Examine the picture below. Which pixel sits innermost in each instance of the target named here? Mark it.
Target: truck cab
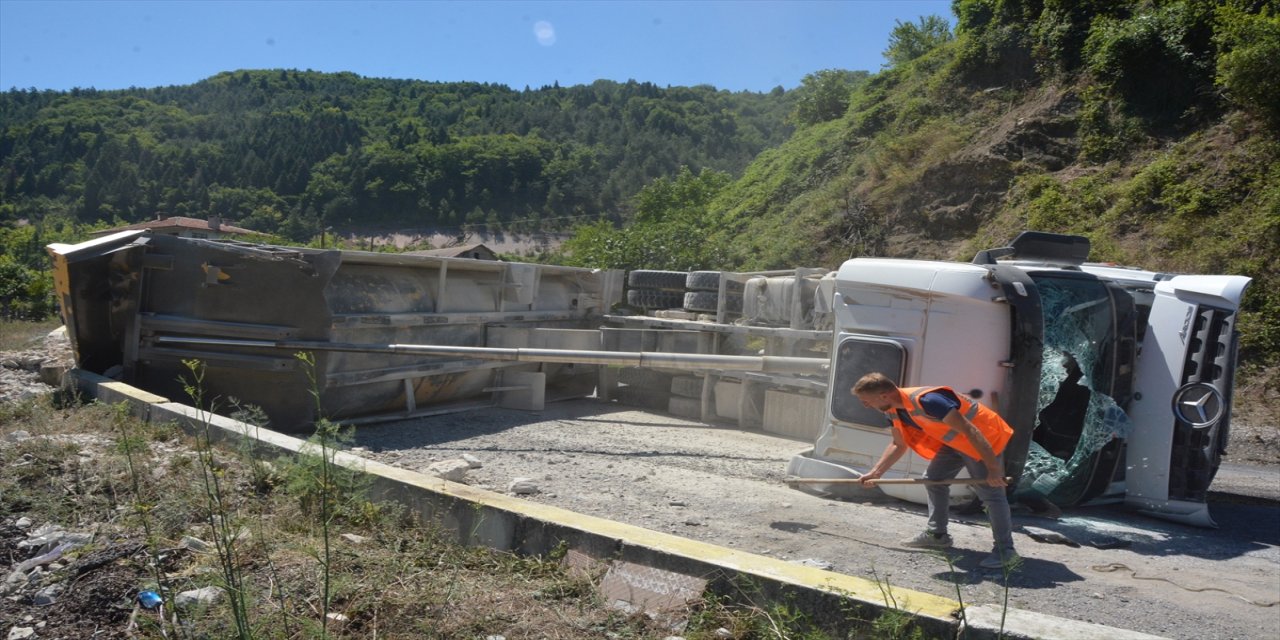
(1116, 381)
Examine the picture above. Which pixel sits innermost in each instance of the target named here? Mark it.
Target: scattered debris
(815, 563)
(1050, 537)
(21, 633)
(1109, 542)
(36, 372)
(101, 557)
(523, 486)
(203, 596)
(452, 470)
(48, 595)
(1039, 506)
(193, 543)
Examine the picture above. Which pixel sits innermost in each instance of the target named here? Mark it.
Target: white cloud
(544, 32)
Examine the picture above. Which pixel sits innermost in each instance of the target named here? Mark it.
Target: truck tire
(706, 301)
(710, 281)
(654, 299)
(660, 280)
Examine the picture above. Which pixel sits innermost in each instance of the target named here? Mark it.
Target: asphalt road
(726, 486)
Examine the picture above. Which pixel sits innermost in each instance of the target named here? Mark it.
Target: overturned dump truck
(144, 305)
(1117, 381)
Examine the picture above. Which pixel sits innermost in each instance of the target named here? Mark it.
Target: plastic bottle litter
(149, 599)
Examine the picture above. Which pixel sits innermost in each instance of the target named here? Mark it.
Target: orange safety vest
(926, 435)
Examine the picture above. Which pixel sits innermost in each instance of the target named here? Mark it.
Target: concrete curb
(480, 517)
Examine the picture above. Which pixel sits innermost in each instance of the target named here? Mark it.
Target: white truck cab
(1117, 381)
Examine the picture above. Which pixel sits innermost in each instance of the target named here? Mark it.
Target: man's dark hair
(874, 383)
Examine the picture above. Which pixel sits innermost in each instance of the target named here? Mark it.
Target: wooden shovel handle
(963, 481)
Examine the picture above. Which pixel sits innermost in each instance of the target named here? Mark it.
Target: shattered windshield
(1077, 415)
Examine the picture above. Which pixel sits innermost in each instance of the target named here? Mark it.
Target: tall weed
(221, 511)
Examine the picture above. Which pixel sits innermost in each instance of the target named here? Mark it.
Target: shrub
(1157, 62)
(1106, 130)
(997, 56)
(910, 40)
(1061, 30)
(824, 95)
(1249, 62)
(25, 294)
(994, 41)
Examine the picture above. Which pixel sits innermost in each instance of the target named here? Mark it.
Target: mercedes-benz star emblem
(1198, 404)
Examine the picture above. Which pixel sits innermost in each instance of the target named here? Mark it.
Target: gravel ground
(726, 486)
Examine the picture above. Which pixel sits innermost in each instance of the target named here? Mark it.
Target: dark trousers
(946, 466)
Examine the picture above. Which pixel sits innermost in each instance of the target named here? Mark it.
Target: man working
(952, 431)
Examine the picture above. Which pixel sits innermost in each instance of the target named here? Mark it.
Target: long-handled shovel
(961, 481)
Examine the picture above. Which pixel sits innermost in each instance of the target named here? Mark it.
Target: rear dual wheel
(655, 299)
(706, 301)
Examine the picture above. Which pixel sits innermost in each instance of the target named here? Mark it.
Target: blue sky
(735, 45)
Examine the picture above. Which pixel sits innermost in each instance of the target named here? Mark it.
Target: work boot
(1005, 559)
(928, 540)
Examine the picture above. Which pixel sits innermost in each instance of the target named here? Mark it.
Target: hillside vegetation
(292, 152)
(1148, 126)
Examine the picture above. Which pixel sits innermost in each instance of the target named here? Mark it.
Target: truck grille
(1197, 453)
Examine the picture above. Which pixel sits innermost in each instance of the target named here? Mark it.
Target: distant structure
(210, 229)
(475, 251)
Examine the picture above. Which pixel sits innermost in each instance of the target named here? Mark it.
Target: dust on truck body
(140, 306)
(1117, 381)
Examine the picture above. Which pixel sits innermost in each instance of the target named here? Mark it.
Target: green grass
(92, 467)
(402, 580)
(17, 335)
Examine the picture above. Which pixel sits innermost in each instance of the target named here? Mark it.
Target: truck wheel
(654, 299)
(661, 280)
(710, 281)
(706, 301)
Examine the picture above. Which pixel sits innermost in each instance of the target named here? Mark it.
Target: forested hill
(291, 152)
(1150, 126)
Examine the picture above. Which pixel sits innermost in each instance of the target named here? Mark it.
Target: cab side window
(855, 358)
